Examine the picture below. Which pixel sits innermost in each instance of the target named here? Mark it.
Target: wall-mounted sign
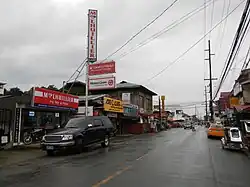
(49, 98)
(131, 110)
(126, 98)
(17, 126)
(82, 110)
(31, 113)
(112, 105)
(102, 83)
(92, 35)
(101, 68)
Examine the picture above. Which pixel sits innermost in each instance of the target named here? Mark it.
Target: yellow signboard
(234, 101)
(163, 97)
(112, 105)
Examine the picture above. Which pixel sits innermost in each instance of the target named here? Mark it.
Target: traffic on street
(171, 158)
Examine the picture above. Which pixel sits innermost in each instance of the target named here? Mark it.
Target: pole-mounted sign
(92, 36)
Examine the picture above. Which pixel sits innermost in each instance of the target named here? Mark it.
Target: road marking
(109, 178)
(141, 157)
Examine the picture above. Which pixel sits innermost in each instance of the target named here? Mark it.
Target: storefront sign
(82, 110)
(131, 110)
(102, 68)
(101, 83)
(48, 98)
(234, 101)
(17, 126)
(126, 97)
(112, 105)
(92, 35)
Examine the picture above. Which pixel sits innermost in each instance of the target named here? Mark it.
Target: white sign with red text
(92, 36)
(102, 83)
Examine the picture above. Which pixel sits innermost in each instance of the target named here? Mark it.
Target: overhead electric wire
(197, 42)
(212, 17)
(246, 62)
(145, 27)
(166, 29)
(77, 70)
(239, 36)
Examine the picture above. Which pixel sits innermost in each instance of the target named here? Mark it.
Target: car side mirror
(90, 125)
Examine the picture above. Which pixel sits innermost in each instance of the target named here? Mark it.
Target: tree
(14, 91)
(52, 87)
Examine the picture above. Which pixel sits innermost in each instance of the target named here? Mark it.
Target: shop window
(141, 101)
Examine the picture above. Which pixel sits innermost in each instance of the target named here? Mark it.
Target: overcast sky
(43, 42)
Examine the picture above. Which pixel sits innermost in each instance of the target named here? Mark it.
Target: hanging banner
(101, 68)
(92, 36)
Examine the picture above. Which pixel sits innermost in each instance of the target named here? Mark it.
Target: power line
(173, 62)
(166, 29)
(77, 70)
(239, 36)
(145, 27)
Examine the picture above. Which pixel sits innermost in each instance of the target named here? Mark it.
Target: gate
(5, 125)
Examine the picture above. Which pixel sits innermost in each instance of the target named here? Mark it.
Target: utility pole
(210, 81)
(206, 103)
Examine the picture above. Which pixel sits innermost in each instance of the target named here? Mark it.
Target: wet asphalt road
(175, 158)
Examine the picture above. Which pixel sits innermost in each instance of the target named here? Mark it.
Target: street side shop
(130, 119)
(42, 109)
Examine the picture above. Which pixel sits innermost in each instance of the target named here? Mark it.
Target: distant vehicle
(232, 139)
(79, 132)
(187, 126)
(215, 130)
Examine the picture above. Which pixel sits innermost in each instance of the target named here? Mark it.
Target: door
(5, 124)
(100, 130)
(89, 136)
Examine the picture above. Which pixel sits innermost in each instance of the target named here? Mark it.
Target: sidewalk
(31, 152)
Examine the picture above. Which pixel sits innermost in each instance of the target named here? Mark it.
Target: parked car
(79, 132)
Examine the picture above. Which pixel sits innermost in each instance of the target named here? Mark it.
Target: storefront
(42, 109)
(130, 119)
(113, 108)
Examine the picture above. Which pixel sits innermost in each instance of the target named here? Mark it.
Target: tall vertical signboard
(92, 36)
(92, 49)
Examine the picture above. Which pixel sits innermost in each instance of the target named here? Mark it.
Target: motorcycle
(33, 136)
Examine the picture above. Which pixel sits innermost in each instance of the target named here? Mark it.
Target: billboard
(101, 68)
(49, 98)
(101, 83)
(92, 35)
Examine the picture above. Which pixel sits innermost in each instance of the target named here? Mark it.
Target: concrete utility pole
(210, 81)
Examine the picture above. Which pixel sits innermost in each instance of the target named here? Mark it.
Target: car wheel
(79, 145)
(50, 153)
(106, 141)
(208, 137)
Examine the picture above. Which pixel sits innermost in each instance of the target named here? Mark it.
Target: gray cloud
(42, 42)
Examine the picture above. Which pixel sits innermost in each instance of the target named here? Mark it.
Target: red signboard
(102, 68)
(50, 98)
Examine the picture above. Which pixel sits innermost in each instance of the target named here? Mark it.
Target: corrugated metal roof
(92, 97)
(125, 84)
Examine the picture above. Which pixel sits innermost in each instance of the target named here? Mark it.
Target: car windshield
(77, 123)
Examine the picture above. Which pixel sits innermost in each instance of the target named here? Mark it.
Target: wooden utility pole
(206, 103)
(210, 81)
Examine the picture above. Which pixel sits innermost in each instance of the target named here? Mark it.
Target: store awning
(91, 97)
(242, 108)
